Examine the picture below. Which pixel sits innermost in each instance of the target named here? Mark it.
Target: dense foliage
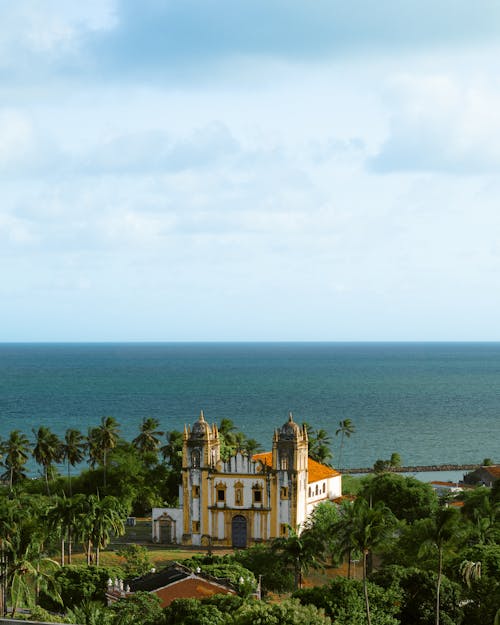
(424, 561)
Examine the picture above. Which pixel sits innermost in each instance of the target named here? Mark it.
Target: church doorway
(239, 532)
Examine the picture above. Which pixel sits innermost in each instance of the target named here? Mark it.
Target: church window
(310, 491)
(316, 489)
(196, 527)
(196, 492)
(257, 494)
(283, 529)
(284, 463)
(220, 492)
(284, 492)
(195, 459)
(324, 487)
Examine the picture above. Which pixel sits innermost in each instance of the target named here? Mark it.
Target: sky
(211, 170)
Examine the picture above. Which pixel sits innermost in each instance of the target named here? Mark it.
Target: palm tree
(15, 451)
(109, 520)
(441, 530)
(367, 528)
(172, 451)
(27, 570)
(297, 551)
(102, 440)
(251, 447)
(319, 444)
(148, 440)
(62, 518)
(73, 450)
(345, 429)
(47, 450)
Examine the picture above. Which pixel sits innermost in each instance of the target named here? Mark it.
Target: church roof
(315, 470)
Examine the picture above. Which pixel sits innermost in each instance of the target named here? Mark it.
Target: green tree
(442, 529)
(137, 560)
(260, 559)
(193, 612)
(15, 452)
(287, 612)
(91, 613)
(172, 450)
(408, 499)
(141, 607)
(367, 529)
(319, 444)
(345, 429)
(321, 529)
(297, 552)
(148, 440)
(102, 518)
(47, 451)
(72, 451)
(23, 534)
(483, 515)
(343, 601)
(251, 447)
(228, 438)
(417, 595)
(102, 440)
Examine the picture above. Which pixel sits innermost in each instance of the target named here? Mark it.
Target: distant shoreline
(418, 468)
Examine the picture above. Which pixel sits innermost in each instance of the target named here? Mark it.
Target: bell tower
(200, 454)
(290, 463)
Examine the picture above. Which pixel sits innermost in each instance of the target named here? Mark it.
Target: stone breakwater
(419, 468)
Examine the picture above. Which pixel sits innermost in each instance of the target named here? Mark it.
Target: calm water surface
(432, 403)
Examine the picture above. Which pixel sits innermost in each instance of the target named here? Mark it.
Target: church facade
(243, 500)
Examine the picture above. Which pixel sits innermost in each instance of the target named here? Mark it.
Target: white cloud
(441, 123)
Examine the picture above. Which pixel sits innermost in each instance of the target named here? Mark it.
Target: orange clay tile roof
(449, 484)
(316, 470)
(494, 471)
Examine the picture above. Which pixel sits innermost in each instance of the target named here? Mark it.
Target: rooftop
(316, 470)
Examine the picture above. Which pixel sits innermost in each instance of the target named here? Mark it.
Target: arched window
(195, 459)
(220, 492)
(257, 494)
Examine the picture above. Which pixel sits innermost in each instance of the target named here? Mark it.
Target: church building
(243, 501)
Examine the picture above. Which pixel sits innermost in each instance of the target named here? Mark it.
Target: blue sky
(216, 170)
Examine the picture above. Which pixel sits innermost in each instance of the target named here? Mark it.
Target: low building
(486, 475)
(243, 500)
(173, 582)
(446, 488)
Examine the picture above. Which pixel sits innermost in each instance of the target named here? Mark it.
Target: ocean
(432, 403)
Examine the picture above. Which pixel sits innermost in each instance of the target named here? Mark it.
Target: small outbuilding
(486, 475)
(173, 582)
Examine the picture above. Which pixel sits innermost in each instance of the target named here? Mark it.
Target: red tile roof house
(174, 582)
(486, 475)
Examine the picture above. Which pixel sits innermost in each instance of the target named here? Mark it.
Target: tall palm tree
(73, 450)
(23, 534)
(367, 528)
(148, 440)
(251, 447)
(62, 518)
(15, 452)
(297, 551)
(100, 519)
(345, 429)
(441, 530)
(172, 450)
(105, 437)
(47, 450)
(319, 444)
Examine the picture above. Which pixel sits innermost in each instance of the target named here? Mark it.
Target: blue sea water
(430, 402)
